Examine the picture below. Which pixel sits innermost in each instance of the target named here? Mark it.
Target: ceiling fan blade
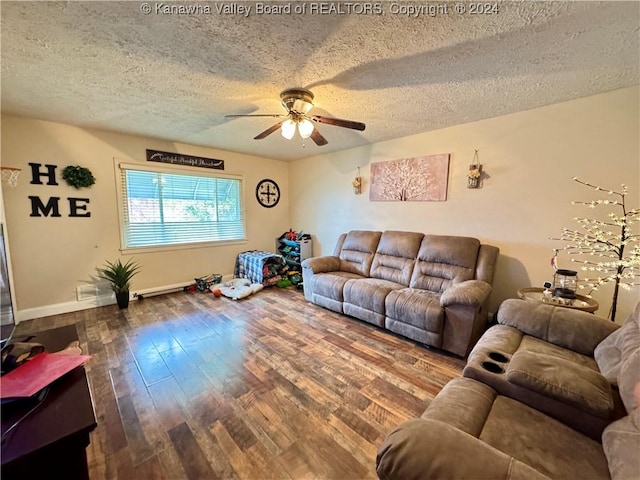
(317, 138)
(339, 122)
(272, 115)
(268, 131)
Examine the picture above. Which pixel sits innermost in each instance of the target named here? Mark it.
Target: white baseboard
(59, 308)
(68, 307)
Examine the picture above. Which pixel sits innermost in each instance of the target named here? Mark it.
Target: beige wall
(52, 256)
(531, 158)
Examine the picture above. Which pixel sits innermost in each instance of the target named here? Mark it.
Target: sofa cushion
(621, 444)
(443, 260)
(424, 449)
(629, 379)
(419, 308)
(562, 380)
(608, 353)
(396, 256)
(542, 442)
(611, 352)
(331, 284)
(510, 427)
(369, 293)
(357, 252)
(535, 345)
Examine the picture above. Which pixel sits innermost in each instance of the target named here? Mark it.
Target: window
(168, 206)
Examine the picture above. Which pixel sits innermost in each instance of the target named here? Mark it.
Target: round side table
(580, 303)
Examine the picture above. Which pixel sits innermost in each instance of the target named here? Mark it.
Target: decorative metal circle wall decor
(268, 193)
(77, 176)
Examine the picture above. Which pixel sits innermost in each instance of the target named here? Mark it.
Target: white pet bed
(239, 288)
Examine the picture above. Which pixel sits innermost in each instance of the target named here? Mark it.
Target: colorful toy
(203, 284)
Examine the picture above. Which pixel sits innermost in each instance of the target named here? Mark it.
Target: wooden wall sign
(188, 160)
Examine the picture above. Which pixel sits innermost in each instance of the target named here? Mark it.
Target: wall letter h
(36, 174)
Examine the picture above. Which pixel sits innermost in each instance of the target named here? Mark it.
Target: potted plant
(119, 275)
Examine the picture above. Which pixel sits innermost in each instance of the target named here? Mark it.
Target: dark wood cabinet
(51, 437)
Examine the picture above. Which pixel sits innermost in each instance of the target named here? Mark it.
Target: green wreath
(78, 176)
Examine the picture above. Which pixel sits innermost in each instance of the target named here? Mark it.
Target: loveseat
(550, 358)
(430, 288)
(473, 430)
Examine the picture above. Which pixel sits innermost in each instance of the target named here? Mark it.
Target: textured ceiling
(107, 65)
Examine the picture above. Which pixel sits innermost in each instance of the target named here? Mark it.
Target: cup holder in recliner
(498, 357)
(492, 367)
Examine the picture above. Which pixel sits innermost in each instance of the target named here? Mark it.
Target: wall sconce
(357, 183)
(475, 172)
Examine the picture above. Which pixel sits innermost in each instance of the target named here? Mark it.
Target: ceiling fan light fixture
(305, 128)
(298, 102)
(288, 129)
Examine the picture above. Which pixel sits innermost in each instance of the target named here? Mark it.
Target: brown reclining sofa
(430, 288)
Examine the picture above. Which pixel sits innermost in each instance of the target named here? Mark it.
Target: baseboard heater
(152, 292)
(178, 287)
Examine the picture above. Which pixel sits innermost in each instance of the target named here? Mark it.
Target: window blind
(165, 207)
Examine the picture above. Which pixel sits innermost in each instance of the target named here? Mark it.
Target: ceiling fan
(298, 102)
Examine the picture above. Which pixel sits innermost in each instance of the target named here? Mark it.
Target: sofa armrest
(573, 329)
(469, 292)
(422, 448)
(328, 263)
(486, 265)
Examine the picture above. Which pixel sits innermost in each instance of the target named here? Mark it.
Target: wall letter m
(37, 206)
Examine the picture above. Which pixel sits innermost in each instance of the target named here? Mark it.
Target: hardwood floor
(192, 386)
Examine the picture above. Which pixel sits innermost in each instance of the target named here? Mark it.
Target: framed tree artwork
(418, 179)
